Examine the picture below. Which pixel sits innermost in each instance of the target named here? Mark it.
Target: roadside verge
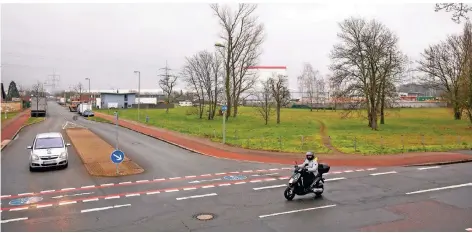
(14, 127)
(95, 154)
(205, 147)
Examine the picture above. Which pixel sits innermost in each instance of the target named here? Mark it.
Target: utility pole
(170, 84)
(54, 78)
(139, 91)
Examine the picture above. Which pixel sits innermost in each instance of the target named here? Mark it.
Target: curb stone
(23, 126)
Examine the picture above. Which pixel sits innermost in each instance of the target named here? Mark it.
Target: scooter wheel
(289, 195)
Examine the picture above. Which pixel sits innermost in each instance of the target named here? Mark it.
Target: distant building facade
(116, 100)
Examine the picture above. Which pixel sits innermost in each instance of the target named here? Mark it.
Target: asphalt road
(178, 185)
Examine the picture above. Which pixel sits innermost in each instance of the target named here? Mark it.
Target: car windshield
(46, 143)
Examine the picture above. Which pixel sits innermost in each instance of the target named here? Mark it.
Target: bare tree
(459, 10)
(279, 89)
(78, 88)
(265, 101)
(242, 39)
(167, 84)
(308, 81)
(202, 72)
(443, 65)
(363, 62)
(37, 90)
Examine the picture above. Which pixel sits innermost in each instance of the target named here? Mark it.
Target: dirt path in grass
(326, 139)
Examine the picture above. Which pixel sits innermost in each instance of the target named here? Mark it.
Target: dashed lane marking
(13, 220)
(107, 185)
(383, 173)
(469, 229)
(427, 168)
(196, 196)
(295, 211)
(440, 188)
(104, 208)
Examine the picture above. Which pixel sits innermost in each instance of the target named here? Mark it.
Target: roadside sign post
(117, 156)
(116, 128)
(223, 109)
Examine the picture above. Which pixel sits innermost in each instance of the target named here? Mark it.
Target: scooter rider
(311, 166)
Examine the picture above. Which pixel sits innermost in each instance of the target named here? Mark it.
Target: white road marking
(141, 181)
(337, 178)
(67, 202)
(196, 196)
(20, 208)
(441, 188)
(89, 200)
(109, 184)
(221, 173)
(65, 189)
(255, 181)
(14, 220)
(190, 176)
(5, 196)
(371, 169)
(468, 229)
(47, 191)
(112, 197)
(234, 172)
(155, 192)
(261, 170)
(273, 169)
(171, 190)
(174, 178)
(96, 209)
(208, 186)
(295, 211)
(58, 197)
(127, 182)
(22, 194)
(336, 172)
(119, 206)
(270, 179)
(89, 186)
(270, 187)
(206, 175)
(348, 171)
(383, 173)
(160, 179)
(242, 182)
(43, 206)
(360, 170)
(224, 185)
(427, 168)
(132, 195)
(247, 171)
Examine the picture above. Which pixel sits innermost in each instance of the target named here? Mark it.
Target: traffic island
(96, 153)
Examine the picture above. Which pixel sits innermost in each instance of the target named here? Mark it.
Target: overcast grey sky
(107, 42)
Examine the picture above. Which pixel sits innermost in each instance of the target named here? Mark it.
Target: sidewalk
(14, 125)
(209, 148)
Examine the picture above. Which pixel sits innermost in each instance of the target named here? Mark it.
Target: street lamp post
(90, 94)
(224, 107)
(139, 90)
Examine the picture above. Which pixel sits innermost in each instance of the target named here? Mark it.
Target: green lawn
(350, 135)
(33, 120)
(10, 115)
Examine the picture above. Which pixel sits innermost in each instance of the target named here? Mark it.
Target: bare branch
(459, 10)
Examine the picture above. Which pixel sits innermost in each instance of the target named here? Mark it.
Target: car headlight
(35, 157)
(63, 155)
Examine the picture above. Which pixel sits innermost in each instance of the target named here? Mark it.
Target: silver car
(48, 150)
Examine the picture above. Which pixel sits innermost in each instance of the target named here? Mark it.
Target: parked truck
(39, 106)
(62, 101)
(73, 106)
(84, 106)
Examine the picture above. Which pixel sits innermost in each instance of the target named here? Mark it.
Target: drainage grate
(204, 216)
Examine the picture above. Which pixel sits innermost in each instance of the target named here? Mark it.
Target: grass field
(10, 115)
(33, 120)
(406, 130)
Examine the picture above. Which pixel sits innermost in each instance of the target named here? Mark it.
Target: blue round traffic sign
(117, 156)
(238, 177)
(224, 108)
(25, 200)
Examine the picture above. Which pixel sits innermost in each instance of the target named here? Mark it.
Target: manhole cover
(204, 217)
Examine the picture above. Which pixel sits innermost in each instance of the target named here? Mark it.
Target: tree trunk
(278, 113)
(382, 114)
(457, 112)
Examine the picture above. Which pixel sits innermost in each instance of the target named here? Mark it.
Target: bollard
(303, 142)
(280, 143)
(147, 119)
(355, 143)
(422, 142)
(403, 144)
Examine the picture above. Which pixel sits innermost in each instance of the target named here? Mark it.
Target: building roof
(114, 93)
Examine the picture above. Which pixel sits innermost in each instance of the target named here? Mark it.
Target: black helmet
(310, 155)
